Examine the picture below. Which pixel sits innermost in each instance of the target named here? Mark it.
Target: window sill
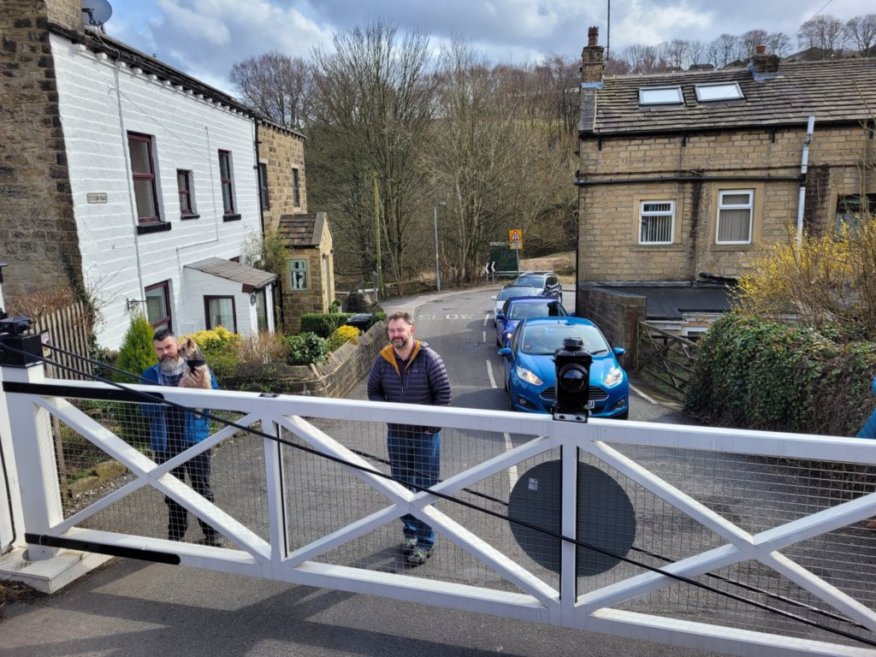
(184, 217)
(742, 246)
(657, 247)
(154, 227)
(231, 217)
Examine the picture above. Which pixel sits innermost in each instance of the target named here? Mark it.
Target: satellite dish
(96, 12)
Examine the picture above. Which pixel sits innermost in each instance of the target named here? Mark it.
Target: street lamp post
(437, 261)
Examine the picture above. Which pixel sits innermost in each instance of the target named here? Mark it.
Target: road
(136, 608)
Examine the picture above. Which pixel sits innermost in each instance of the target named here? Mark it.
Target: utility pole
(379, 268)
(437, 261)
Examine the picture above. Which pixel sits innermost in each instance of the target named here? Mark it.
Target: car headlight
(615, 375)
(508, 335)
(528, 376)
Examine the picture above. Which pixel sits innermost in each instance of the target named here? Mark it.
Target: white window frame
(299, 266)
(706, 93)
(735, 206)
(643, 213)
(666, 95)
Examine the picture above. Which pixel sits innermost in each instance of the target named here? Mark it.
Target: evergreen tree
(136, 353)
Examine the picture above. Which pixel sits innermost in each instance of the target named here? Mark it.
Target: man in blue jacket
(174, 430)
(409, 371)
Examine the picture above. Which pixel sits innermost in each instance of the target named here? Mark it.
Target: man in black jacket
(409, 371)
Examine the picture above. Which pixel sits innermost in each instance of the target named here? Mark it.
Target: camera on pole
(573, 381)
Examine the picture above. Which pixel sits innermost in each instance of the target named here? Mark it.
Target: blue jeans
(414, 461)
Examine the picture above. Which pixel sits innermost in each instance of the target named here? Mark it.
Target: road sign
(515, 238)
(490, 267)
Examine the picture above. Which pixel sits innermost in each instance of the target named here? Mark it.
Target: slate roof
(250, 278)
(668, 302)
(302, 230)
(842, 90)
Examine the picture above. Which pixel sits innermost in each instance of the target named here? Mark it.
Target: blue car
(530, 375)
(519, 308)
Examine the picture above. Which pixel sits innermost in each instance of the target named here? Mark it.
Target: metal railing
(744, 542)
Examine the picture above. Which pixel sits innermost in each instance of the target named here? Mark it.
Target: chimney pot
(592, 36)
(760, 50)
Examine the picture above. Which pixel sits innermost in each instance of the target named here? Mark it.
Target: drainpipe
(804, 165)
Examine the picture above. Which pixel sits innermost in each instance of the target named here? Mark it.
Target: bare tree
(492, 166)
(823, 32)
(778, 43)
(676, 52)
(276, 85)
(373, 103)
(724, 50)
(860, 33)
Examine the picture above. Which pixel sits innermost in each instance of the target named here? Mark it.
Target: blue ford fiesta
(530, 375)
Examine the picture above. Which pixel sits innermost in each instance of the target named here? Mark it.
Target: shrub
(759, 374)
(263, 348)
(137, 352)
(341, 336)
(306, 348)
(221, 349)
(323, 324)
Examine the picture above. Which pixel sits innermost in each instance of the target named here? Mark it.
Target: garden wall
(335, 377)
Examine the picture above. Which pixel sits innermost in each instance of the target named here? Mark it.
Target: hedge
(757, 374)
(323, 324)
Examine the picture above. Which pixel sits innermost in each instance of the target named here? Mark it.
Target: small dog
(188, 351)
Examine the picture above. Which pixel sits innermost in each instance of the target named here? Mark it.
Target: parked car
(530, 374)
(510, 291)
(546, 281)
(518, 308)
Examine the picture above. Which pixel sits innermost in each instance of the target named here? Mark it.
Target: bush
(759, 374)
(137, 352)
(341, 336)
(221, 349)
(323, 324)
(263, 348)
(306, 348)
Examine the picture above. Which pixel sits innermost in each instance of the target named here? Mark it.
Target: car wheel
(498, 342)
(505, 380)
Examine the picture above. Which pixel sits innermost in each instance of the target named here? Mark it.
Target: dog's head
(188, 349)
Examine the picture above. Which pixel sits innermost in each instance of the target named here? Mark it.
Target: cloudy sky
(205, 37)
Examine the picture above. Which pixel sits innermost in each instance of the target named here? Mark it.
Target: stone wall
(618, 315)
(758, 160)
(281, 151)
(335, 377)
(37, 227)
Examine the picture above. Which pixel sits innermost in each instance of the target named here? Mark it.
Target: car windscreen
(506, 292)
(529, 281)
(541, 309)
(542, 340)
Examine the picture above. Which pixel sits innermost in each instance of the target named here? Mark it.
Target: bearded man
(173, 430)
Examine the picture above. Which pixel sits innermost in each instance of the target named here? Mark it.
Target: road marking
(484, 337)
(512, 471)
(487, 318)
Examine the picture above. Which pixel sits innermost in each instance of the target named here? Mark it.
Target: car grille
(596, 394)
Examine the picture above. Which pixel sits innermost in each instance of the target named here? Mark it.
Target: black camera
(573, 381)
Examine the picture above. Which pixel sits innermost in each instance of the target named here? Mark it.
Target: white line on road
(486, 318)
(484, 337)
(512, 471)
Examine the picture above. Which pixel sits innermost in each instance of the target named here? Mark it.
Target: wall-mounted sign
(96, 197)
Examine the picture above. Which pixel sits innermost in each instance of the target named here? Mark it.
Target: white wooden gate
(749, 543)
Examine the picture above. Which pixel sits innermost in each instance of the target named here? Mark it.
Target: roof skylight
(660, 95)
(707, 93)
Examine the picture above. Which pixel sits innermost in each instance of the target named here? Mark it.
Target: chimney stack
(592, 62)
(762, 63)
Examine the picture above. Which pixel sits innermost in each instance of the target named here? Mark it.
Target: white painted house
(165, 192)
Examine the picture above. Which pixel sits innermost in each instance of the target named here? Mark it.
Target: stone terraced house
(685, 177)
(132, 182)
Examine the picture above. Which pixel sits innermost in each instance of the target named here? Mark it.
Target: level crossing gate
(741, 542)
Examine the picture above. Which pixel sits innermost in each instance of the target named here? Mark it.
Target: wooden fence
(665, 360)
(68, 329)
